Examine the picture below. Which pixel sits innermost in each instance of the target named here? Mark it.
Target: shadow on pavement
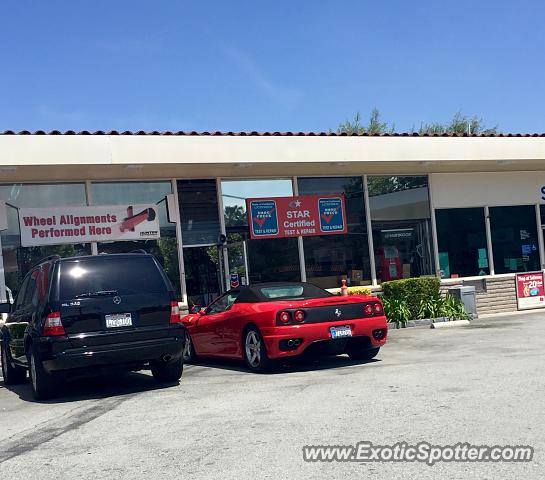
(294, 365)
(93, 388)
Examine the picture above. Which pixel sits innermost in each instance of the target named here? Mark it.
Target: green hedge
(412, 290)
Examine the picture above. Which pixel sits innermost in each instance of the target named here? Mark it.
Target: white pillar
(370, 244)
(435, 243)
(540, 237)
(89, 199)
(179, 243)
(489, 240)
(223, 230)
(300, 245)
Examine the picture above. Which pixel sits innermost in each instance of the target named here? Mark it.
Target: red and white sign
(54, 226)
(530, 290)
(306, 215)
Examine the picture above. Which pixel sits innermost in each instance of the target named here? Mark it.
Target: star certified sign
(301, 216)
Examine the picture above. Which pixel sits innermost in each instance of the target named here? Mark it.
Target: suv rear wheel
(43, 385)
(12, 374)
(167, 372)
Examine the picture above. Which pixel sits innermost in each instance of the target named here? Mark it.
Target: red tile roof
(269, 134)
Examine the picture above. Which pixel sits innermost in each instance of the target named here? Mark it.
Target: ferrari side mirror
(195, 309)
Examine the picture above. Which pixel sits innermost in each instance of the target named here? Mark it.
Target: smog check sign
(305, 215)
(264, 218)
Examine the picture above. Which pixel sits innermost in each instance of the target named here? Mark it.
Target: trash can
(466, 295)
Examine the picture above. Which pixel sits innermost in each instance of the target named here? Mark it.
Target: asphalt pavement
(483, 384)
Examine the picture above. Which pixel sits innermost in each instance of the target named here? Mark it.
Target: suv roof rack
(45, 259)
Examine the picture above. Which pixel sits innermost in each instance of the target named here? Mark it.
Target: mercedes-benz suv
(91, 314)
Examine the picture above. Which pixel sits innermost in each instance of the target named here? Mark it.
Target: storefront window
(202, 275)
(165, 249)
(18, 260)
(400, 217)
(199, 212)
(330, 258)
(461, 237)
(514, 239)
(269, 259)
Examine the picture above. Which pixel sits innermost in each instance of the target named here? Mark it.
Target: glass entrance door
(235, 261)
(202, 275)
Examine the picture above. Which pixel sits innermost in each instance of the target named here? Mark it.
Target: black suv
(92, 314)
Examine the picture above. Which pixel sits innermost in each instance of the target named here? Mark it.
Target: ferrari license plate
(340, 332)
(118, 320)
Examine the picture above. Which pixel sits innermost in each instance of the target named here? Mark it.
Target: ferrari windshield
(292, 291)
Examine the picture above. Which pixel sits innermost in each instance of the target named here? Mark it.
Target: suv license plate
(118, 320)
(339, 332)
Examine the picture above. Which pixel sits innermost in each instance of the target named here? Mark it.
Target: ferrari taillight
(175, 312)
(368, 309)
(377, 307)
(299, 315)
(53, 325)
(284, 317)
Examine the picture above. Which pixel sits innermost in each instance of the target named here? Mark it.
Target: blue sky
(254, 65)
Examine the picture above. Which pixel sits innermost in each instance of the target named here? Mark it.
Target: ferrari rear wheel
(255, 352)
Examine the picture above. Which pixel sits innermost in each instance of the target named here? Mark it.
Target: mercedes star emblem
(117, 299)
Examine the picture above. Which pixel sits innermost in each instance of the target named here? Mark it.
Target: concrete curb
(453, 323)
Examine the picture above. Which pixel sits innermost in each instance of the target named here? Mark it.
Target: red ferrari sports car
(269, 321)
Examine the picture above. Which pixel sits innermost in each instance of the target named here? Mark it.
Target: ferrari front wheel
(188, 351)
(255, 352)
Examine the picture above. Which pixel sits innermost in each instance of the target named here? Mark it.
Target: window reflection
(461, 239)
(400, 218)
(165, 249)
(268, 259)
(514, 239)
(18, 260)
(330, 258)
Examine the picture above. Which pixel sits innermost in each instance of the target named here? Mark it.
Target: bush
(357, 291)
(413, 291)
(396, 310)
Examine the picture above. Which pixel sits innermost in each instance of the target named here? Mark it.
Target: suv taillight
(53, 325)
(175, 312)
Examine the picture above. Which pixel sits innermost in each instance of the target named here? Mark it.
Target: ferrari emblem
(338, 313)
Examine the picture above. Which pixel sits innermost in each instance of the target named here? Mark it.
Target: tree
(374, 127)
(459, 124)
(235, 216)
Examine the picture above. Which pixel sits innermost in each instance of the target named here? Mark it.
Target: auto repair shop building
(468, 209)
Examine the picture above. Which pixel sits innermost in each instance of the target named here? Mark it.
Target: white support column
(435, 243)
(540, 237)
(3, 226)
(300, 245)
(370, 244)
(223, 230)
(89, 199)
(489, 240)
(179, 243)
(3, 298)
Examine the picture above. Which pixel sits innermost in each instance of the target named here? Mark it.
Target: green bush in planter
(413, 291)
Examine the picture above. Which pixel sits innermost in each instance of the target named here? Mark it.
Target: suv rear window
(126, 275)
